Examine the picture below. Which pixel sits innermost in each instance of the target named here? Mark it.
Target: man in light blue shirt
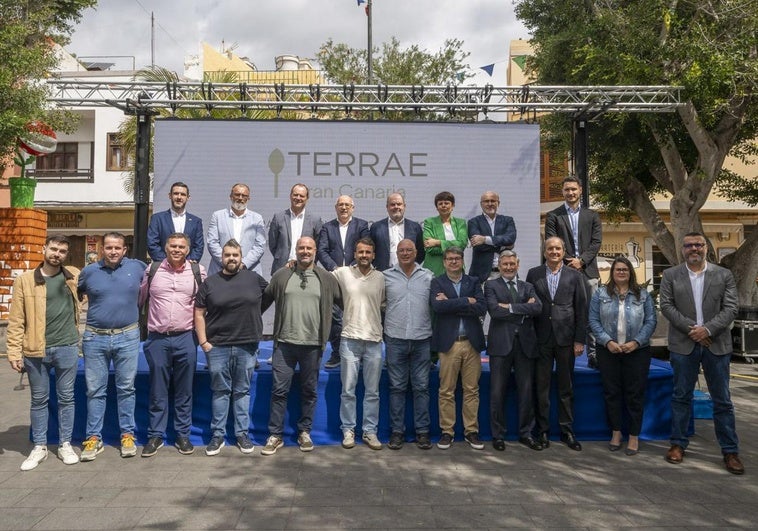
(407, 333)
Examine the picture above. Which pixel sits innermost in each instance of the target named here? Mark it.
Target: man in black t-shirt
(229, 327)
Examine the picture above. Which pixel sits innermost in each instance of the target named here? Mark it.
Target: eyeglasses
(693, 245)
(303, 279)
(453, 259)
(620, 270)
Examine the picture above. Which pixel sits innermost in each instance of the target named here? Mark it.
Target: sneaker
(37, 455)
(305, 441)
(372, 441)
(152, 446)
(332, 363)
(445, 441)
(348, 439)
(244, 444)
(67, 454)
(474, 441)
(91, 447)
(273, 443)
(215, 446)
(423, 441)
(128, 448)
(396, 441)
(184, 445)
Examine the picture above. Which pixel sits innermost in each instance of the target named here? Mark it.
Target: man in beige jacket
(42, 335)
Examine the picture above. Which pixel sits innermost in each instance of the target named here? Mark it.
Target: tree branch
(639, 201)
(672, 159)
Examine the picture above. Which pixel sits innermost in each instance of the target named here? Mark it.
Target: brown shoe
(675, 455)
(733, 464)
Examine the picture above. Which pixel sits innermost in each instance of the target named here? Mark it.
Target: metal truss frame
(417, 99)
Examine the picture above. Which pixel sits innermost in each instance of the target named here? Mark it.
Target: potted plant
(39, 139)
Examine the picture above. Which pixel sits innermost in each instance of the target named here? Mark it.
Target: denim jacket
(639, 313)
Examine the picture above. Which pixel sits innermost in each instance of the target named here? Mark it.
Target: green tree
(709, 48)
(27, 30)
(394, 65)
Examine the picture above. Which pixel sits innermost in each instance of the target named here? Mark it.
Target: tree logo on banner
(276, 165)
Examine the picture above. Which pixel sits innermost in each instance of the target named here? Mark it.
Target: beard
(232, 267)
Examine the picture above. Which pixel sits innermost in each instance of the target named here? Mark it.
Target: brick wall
(22, 236)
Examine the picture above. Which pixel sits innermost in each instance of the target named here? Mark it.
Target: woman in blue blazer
(443, 231)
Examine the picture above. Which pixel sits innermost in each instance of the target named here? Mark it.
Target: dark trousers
(172, 361)
(564, 372)
(286, 357)
(335, 332)
(624, 378)
(500, 374)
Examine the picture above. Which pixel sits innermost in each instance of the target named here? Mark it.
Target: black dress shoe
(530, 443)
(543, 440)
(498, 444)
(569, 440)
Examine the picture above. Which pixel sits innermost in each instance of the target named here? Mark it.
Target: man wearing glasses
(241, 224)
(700, 301)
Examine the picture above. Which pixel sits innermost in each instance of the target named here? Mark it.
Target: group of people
(357, 286)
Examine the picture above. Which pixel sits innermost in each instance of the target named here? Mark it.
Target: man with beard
(239, 223)
(699, 300)
(43, 335)
(171, 345)
(229, 327)
(304, 296)
(561, 330)
(362, 289)
(175, 219)
(111, 336)
(388, 232)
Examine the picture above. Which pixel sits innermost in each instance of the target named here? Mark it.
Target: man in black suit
(582, 233)
(512, 344)
(336, 248)
(290, 225)
(561, 330)
(490, 233)
(175, 219)
(388, 232)
(458, 304)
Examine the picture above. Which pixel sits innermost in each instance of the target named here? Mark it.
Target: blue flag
(488, 68)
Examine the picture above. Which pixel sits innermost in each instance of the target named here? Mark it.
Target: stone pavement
(332, 488)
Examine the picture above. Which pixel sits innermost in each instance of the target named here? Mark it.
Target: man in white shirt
(290, 225)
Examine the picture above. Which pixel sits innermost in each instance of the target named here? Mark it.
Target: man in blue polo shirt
(111, 335)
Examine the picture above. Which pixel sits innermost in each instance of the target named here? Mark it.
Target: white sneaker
(372, 441)
(348, 439)
(38, 454)
(67, 454)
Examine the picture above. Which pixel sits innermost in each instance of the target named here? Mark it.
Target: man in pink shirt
(171, 345)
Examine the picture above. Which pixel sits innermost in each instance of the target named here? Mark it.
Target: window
(70, 162)
(64, 159)
(117, 159)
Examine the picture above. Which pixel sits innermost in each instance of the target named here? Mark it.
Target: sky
(264, 29)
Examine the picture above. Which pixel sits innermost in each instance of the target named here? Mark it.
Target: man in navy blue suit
(490, 233)
(336, 248)
(175, 219)
(388, 232)
(458, 304)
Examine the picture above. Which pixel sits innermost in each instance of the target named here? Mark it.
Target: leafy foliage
(27, 31)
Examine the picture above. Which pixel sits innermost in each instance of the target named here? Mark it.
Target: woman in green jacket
(443, 231)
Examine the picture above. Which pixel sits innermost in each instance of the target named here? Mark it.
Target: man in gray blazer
(700, 301)
(237, 222)
(290, 225)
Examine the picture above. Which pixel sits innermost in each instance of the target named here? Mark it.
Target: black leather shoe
(498, 444)
(530, 443)
(569, 440)
(543, 440)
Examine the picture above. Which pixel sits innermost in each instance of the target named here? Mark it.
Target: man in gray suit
(290, 225)
(700, 301)
(239, 223)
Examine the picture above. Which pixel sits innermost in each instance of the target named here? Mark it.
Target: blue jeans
(231, 369)
(716, 370)
(172, 360)
(408, 359)
(353, 354)
(99, 351)
(65, 361)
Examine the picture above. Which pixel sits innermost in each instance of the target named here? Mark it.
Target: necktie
(514, 291)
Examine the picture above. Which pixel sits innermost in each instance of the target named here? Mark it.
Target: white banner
(366, 160)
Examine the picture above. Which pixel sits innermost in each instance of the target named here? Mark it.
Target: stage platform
(589, 422)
